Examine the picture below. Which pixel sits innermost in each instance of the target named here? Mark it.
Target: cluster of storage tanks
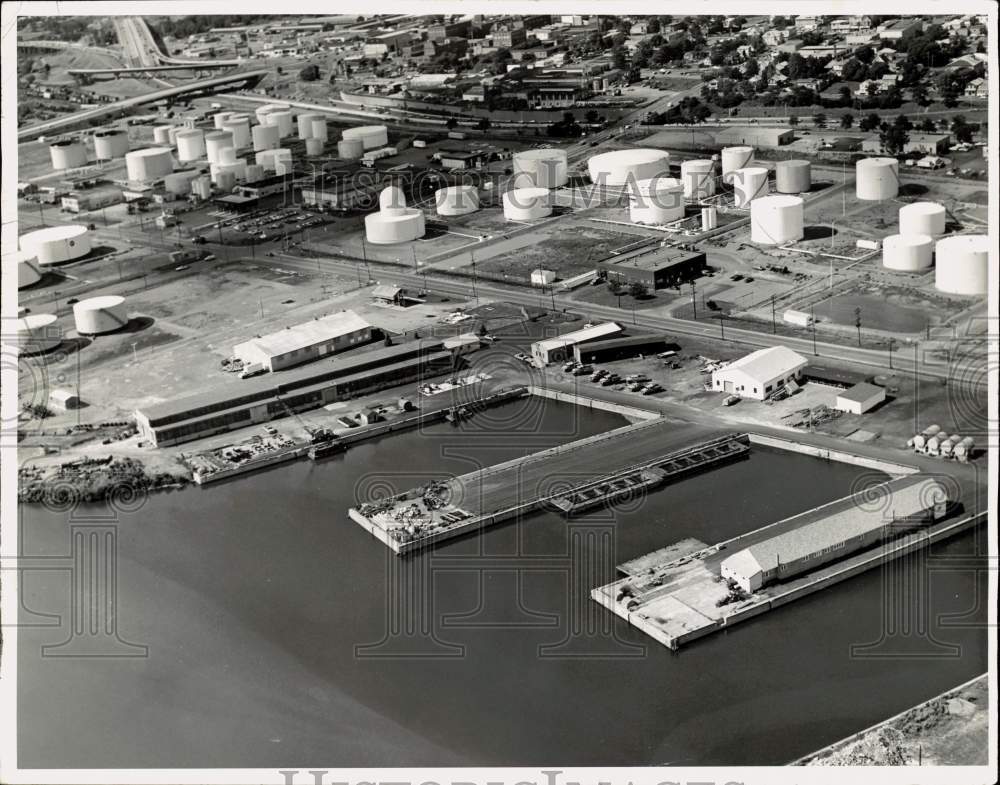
(933, 441)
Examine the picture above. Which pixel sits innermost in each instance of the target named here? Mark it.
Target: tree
(619, 58)
(928, 126)
(846, 120)
(819, 119)
(961, 129)
(865, 55)
(871, 122)
(451, 123)
(793, 120)
(854, 70)
(483, 124)
(310, 73)
(893, 138)
(638, 289)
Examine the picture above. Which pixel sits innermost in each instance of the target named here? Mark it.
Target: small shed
(64, 400)
(462, 344)
(542, 277)
(860, 398)
(388, 295)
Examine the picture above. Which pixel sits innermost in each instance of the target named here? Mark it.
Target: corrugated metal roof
(765, 364)
(304, 335)
(579, 336)
(861, 392)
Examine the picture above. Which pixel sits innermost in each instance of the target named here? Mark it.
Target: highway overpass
(194, 65)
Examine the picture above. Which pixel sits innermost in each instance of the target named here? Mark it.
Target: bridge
(142, 52)
(194, 65)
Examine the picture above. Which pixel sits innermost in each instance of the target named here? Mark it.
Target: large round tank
(255, 172)
(391, 198)
(908, 252)
(110, 144)
(350, 149)
(281, 118)
(776, 220)
(877, 179)
(28, 273)
(98, 315)
(263, 111)
(283, 161)
(227, 155)
(709, 218)
(201, 186)
(215, 142)
(318, 128)
(627, 166)
(220, 118)
(371, 136)
(37, 332)
(237, 168)
(545, 168)
(148, 164)
(922, 218)
(962, 264)
(172, 134)
(239, 126)
(527, 204)
(698, 178)
(67, 154)
(457, 200)
(792, 177)
(161, 134)
(304, 123)
(748, 184)
(656, 201)
(314, 146)
(178, 184)
(394, 222)
(733, 158)
(190, 145)
(224, 179)
(57, 244)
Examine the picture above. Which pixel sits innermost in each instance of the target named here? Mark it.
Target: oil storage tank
(190, 145)
(109, 145)
(281, 118)
(698, 178)
(57, 244)
(922, 218)
(394, 222)
(98, 315)
(656, 201)
(748, 184)
(457, 200)
(262, 112)
(161, 134)
(179, 183)
(733, 158)
(150, 163)
(67, 154)
(350, 149)
(314, 146)
(621, 167)
(28, 273)
(215, 142)
(304, 123)
(962, 264)
(792, 177)
(220, 118)
(318, 128)
(908, 252)
(38, 332)
(877, 179)
(239, 126)
(371, 136)
(545, 168)
(527, 204)
(265, 137)
(776, 219)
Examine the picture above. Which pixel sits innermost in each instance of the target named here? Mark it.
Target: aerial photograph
(462, 388)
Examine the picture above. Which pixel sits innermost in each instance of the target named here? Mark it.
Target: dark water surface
(273, 637)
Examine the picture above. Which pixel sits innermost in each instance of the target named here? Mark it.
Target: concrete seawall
(633, 412)
(841, 456)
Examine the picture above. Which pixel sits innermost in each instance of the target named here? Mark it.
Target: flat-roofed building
(760, 373)
(860, 398)
(660, 269)
(560, 348)
(305, 342)
(619, 348)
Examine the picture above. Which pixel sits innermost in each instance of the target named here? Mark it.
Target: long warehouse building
(305, 342)
(264, 398)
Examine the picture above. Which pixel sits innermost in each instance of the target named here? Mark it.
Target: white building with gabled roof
(760, 373)
(305, 342)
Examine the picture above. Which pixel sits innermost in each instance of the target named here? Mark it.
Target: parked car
(582, 370)
(731, 400)
(651, 389)
(611, 378)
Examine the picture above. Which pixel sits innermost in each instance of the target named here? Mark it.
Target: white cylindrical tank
(265, 158)
(304, 123)
(314, 146)
(394, 222)
(350, 149)
(776, 220)
(263, 111)
(37, 332)
(172, 134)
(877, 179)
(190, 145)
(28, 273)
(239, 126)
(733, 158)
(282, 161)
(698, 178)
(656, 201)
(709, 218)
(220, 118)
(98, 315)
(281, 118)
(161, 134)
(457, 200)
(962, 264)
(179, 183)
(527, 204)
(110, 144)
(57, 244)
(371, 136)
(908, 252)
(227, 155)
(215, 142)
(236, 168)
(748, 184)
(318, 128)
(201, 186)
(545, 168)
(148, 164)
(620, 167)
(255, 172)
(792, 177)
(922, 218)
(67, 154)
(224, 179)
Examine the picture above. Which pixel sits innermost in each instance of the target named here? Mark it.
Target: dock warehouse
(759, 373)
(657, 270)
(553, 350)
(619, 348)
(305, 342)
(251, 401)
(860, 398)
(836, 530)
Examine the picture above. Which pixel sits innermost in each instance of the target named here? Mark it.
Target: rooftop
(768, 363)
(860, 392)
(579, 336)
(304, 335)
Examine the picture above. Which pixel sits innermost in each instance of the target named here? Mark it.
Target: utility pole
(892, 344)
(857, 323)
(774, 320)
(722, 324)
(260, 304)
(813, 323)
(694, 301)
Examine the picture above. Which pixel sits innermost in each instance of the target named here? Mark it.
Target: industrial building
(860, 398)
(558, 349)
(760, 373)
(394, 222)
(620, 348)
(258, 400)
(305, 342)
(659, 269)
(621, 167)
(757, 136)
(836, 530)
(248, 196)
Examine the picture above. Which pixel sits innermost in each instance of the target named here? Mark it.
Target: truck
(456, 135)
(252, 369)
(181, 257)
(800, 318)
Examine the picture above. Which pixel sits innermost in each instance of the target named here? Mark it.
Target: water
(252, 597)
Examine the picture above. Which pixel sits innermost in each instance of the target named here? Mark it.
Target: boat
(323, 449)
